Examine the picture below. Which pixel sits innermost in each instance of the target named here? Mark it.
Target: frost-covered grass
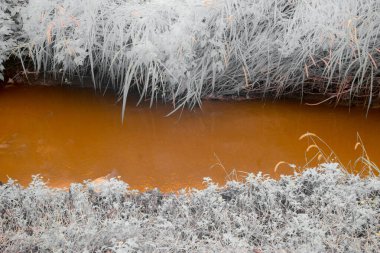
(183, 50)
(323, 209)
(10, 29)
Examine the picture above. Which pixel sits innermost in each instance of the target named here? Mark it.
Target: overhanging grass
(181, 51)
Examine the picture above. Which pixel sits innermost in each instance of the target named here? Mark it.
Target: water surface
(72, 134)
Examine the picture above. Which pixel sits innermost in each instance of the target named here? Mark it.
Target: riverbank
(323, 209)
(181, 52)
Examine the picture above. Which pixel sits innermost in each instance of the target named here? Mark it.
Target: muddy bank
(314, 93)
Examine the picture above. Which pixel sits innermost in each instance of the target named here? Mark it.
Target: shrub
(319, 210)
(10, 30)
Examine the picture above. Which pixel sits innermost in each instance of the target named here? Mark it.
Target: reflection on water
(69, 135)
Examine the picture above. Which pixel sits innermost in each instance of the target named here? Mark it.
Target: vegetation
(10, 30)
(182, 51)
(323, 209)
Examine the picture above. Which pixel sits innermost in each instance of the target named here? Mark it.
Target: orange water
(72, 134)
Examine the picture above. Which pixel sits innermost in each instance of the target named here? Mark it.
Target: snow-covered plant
(323, 209)
(183, 50)
(10, 28)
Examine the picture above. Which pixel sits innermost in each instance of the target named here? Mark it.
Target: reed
(182, 51)
(319, 152)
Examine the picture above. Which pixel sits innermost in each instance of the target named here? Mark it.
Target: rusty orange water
(72, 134)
